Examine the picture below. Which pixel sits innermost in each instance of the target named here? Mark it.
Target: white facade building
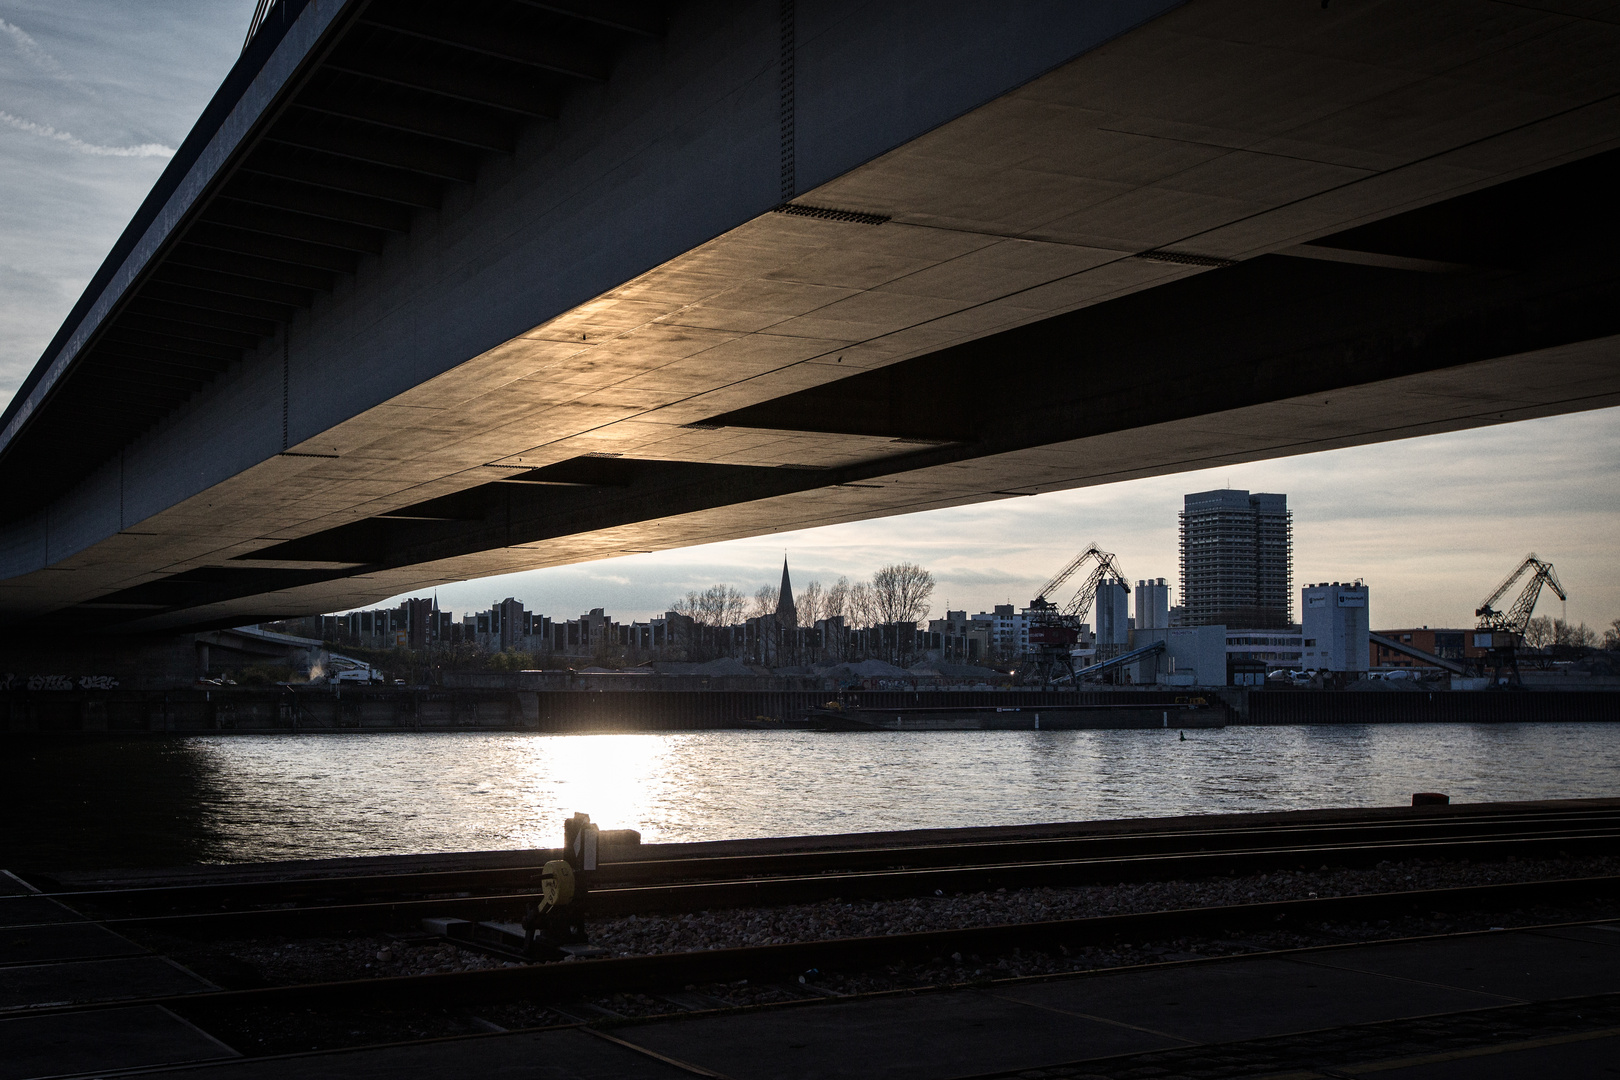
(1113, 615)
(1251, 655)
(1334, 626)
(1152, 604)
(1193, 656)
(1276, 648)
(1009, 630)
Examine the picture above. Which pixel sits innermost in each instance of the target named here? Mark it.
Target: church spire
(787, 613)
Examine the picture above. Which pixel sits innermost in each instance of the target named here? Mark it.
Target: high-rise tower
(1237, 559)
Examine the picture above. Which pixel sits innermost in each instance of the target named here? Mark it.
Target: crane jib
(1516, 618)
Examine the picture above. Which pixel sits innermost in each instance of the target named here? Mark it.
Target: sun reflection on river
(244, 798)
(617, 779)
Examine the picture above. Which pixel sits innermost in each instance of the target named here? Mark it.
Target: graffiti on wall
(9, 681)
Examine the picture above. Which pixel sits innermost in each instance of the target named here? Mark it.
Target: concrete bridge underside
(752, 267)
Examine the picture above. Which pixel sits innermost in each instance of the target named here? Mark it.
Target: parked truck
(346, 669)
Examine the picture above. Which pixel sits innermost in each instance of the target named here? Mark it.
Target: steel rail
(864, 885)
(587, 978)
(327, 890)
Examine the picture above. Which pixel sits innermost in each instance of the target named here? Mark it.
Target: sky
(94, 97)
(1431, 524)
(96, 94)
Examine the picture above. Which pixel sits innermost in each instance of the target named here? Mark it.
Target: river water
(244, 798)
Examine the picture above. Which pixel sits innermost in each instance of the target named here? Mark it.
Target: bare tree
(836, 602)
(1611, 636)
(711, 605)
(1538, 632)
(718, 605)
(764, 601)
(861, 605)
(901, 592)
(1573, 637)
(810, 602)
(731, 611)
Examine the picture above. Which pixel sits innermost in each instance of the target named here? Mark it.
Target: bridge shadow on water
(77, 803)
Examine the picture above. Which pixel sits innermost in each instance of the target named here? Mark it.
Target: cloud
(45, 131)
(985, 576)
(35, 53)
(95, 95)
(31, 304)
(21, 287)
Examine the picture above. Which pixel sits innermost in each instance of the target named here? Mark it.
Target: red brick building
(1447, 643)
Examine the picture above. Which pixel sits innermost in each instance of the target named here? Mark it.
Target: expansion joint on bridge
(790, 169)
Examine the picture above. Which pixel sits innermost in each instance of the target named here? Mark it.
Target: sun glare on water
(616, 779)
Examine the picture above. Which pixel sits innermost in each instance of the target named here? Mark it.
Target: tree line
(899, 592)
(1545, 632)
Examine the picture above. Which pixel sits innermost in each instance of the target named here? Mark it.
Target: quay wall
(1426, 706)
(362, 709)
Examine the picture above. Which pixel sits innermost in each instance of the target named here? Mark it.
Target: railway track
(370, 1011)
(563, 983)
(381, 902)
(256, 892)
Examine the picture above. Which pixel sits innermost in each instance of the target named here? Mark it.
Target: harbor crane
(1507, 627)
(1054, 630)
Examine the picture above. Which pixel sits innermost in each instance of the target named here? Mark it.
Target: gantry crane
(1053, 630)
(1507, 627)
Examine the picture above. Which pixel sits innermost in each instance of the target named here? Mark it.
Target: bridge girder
(512, 287)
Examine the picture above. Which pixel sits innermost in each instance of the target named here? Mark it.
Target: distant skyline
(1431, 524)
(94, 96)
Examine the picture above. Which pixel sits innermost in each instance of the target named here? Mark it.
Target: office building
(1237, 562)
(1252, 654)
(1008, 630)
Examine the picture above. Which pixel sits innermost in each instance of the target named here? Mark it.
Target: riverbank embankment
(355, 708)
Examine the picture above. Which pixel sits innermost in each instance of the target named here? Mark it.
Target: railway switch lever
(557, 915)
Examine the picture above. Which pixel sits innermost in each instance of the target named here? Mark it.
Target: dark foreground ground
(1536, 1003)
(1445, 990)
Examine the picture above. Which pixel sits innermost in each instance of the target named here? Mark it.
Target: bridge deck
(1024, 254)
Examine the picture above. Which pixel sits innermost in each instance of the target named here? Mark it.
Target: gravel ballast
(286, 961)
(245, 963)
(635, 935)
